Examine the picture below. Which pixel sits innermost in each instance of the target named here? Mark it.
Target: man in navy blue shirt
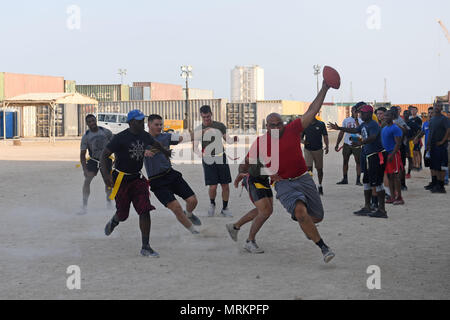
(424, 132)
(375, 158)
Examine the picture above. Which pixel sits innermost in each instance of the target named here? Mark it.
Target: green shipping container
(70, 86)
(105, 92)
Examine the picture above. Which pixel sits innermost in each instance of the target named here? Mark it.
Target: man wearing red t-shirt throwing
(280, 150)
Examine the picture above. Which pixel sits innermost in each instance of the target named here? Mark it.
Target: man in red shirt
(280, 151)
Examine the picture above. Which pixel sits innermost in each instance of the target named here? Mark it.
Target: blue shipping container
(11, 124)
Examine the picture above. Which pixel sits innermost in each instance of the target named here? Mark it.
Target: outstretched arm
(315, 106)
(106, 174)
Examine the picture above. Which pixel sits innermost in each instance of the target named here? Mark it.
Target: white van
(116, 122)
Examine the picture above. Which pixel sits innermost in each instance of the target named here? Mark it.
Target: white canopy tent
(46, 99)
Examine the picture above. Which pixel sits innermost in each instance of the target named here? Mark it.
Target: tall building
(247, 84)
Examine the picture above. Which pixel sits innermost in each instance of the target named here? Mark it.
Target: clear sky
(366, 41)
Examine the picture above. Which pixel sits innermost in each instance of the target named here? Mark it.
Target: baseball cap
(358, 105)
(366, 108)
(135, 114)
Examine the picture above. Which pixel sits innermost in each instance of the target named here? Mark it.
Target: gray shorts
(302, 189)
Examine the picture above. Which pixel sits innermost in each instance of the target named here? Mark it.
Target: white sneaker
(226, 213)
(82, 211)
(252, 247)
(232, 231)
(212, 210)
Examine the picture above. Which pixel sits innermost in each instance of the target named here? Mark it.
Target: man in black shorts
(417, 152)
(95, 140)
(260, 192)
(375, 158)
(214, 159)
(165, 182)
(129, 186)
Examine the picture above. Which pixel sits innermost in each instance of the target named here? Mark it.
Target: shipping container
(195, 94)
(105, 92)
(241, 118)
(162, 91)
(16, 84)
(170, 110)
(70, 86)
(263, 109)
(10, 123)
(45, 123)
(139, 93)
(70, 120)
(2, 86)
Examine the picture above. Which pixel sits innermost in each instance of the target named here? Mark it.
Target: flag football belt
(118, 182)
(220, 155)
(160, 175)
(380, 156)
(295, 178)
(98, 161)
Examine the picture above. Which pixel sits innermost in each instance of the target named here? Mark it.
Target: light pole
(316, 73)
(122, 72)
(186, 73)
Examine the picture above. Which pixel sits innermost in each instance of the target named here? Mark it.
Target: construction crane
(447, 35)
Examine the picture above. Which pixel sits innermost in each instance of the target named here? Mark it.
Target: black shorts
(166, 187)
(348, 150)
(217, 173)
(403, 153)
(374, 174)
(257, 188)
(94, 166)
(417, 147)
(439, 158)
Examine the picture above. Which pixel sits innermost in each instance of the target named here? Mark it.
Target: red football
(331, 77)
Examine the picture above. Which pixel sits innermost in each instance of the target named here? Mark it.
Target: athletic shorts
(395, 166)
(257, 188)
(217, 173)
(303, 189)
(403, 153)
(166, 187)
(94, 166)
(348, 150)
(439, 158)
(315, 157)
(136, 192)
(374, 172)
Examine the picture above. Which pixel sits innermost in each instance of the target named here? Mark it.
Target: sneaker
(398, 201)
(194, 219)
(252, 247)
(82, 211)
(358, 183)
(226, 213)
(110, 226)
(195, 232)
(321, 191)
(429, 186)
(327, 254)
(149, 252)
(362, 212)
(343, 181)
(408, 176)
(438, 189)
(212, 210)
(390, 200)
(373, 206)
(232, 231)
(404, 188)
(377, 214)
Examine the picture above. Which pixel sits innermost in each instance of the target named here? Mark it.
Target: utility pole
(122, 73)
(186, 73)
(316, 68)
(385, 98)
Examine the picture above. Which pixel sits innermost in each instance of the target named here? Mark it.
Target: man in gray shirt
(165, 182)
(95, 140)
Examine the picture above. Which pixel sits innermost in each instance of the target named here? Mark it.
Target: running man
(391, 137)
(348, 149)
(294, 186)
(95, 140)
(260, 192)
(374, 157)
(214, 160)
(312, 138)
(165, 182)
(130, 147)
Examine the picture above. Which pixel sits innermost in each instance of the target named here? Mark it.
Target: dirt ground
(41, 236)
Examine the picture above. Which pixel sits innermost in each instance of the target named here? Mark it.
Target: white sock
(188, 214)
(388, 192)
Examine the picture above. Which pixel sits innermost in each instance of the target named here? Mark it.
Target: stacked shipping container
(105, 92)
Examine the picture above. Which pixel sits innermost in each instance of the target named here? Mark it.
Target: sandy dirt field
(41, 235)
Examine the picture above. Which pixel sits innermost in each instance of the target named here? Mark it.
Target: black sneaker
(404, 188)
(327, 254)
(362, 212)
(343, 181)
(194, 219)
(321, 191)
(358, 183)
(109, 228)
(378, 214)
(429, 186)
(149, 252)
(438, 189)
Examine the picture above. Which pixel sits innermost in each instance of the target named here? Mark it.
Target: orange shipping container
(422, 107)
(162, 91)
(16, 84)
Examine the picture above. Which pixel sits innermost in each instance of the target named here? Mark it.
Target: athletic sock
(321, 244)
(375, 200)
(188, 214)
(145, 241)
(345, 177)
(358, 179)
(225, 204)
(213, 201)
(388, 192)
